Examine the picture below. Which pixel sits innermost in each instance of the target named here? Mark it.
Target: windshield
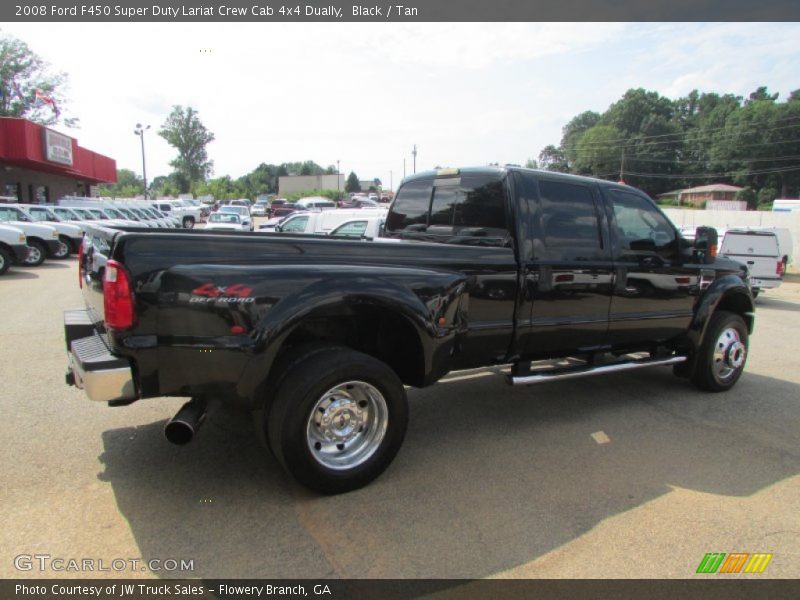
(98, 213)
(224, 218)
(114, 213)
(39, 214)
(65, 213)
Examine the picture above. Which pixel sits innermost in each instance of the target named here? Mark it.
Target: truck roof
(500, 171)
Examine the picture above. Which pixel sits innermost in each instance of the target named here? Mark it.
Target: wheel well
(739, 304)
(6, 247)
(387, 336)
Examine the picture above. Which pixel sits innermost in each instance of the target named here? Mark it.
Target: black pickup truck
(319, 336)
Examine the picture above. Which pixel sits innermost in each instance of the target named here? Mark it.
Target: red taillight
(117, 297)
(779, 268)
(80, 264)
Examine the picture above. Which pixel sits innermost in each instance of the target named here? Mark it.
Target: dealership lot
(629, 475)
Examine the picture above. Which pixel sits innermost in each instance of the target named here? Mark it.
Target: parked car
(226, 221)
(368, 227)
(42, 239)
(315, 203)
(319, 336)
(187, 214)
(70, 233)
(69, 236)
(242, 211)
(325, 221)
(13, 247)
(760, 252)
(276, 204)
(283, 211)
(260, 208)
(359, 203)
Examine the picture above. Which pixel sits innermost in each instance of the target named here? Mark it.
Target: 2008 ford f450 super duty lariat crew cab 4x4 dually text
(317, 335)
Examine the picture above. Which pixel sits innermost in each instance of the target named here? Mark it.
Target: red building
(39, 165)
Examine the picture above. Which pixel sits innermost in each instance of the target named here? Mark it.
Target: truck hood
(38, 230)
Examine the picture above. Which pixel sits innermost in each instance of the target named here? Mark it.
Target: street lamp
(338, 182)
(140, 132)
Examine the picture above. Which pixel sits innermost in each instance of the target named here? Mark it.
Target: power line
(694, 131)
(710, 175)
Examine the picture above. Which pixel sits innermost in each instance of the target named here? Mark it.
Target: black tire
(37, 252)
(372, 409)
(188, 222)
(5, 260)
(64, 248)
(721, 358)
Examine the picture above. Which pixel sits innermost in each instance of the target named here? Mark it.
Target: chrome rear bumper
(91, 366)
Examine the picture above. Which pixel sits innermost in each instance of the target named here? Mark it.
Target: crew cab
(318, 336)
(188, 215)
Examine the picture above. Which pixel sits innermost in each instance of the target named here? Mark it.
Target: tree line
(662, 145)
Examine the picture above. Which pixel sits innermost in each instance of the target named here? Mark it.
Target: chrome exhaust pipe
(181, 428)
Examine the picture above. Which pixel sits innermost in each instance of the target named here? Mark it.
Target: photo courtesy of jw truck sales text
(478, 266)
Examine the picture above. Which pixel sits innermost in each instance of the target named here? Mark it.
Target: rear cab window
(467, 209)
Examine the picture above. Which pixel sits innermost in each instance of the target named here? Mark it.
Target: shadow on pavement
(16, 273)
(489, 478)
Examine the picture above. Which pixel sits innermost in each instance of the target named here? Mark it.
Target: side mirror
(705, 245)
(278, 228)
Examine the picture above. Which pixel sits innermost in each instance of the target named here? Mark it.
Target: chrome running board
(585, 371)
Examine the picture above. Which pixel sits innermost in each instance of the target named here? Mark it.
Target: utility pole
(140, 132)
(622, 167)
(391, 182)
(404, 168)
(414, 152)
(338, 182)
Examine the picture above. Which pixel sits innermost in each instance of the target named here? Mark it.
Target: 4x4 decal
(210, 292)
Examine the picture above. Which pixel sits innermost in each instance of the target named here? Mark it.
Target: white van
(759, 250)
(326, 221)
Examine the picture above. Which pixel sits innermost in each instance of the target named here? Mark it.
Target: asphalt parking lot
(628, 475)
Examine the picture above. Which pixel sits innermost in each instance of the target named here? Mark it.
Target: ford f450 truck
(319, 336)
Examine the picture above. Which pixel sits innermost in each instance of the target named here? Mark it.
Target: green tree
(553, 159)
(352, 184)
(184, 131)
(573, 131)
(22, 74)
(597, 151)
(164, 185)
(128, 185)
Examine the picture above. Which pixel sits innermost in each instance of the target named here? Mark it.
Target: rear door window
(566, 222)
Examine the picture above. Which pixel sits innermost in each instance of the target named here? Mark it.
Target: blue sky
(464, 93)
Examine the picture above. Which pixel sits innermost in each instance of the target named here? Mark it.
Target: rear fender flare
(339, 298)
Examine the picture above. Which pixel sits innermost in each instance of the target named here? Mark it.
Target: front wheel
(338, 419)
(63, 250)
(188, 222)
(36, 253)
(5, 260)
(721, 357)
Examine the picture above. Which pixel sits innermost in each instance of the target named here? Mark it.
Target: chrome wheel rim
(63, 250)
(34, 256)
(730, 353)
(347, 425)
